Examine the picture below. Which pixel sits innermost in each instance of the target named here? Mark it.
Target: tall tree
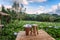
(15, 6)
(3, 9)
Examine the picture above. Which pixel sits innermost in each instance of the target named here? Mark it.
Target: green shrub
(16, 26)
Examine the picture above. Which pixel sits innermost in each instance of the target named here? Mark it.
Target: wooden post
(35, 29)
(27, 29)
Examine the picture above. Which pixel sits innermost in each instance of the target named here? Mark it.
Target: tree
(3, 9)
(43, 17)
(15, 5)
(52, 18)
(18, 10)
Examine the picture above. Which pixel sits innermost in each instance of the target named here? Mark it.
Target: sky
(35, 6)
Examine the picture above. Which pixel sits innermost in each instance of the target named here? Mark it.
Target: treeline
(44, 17)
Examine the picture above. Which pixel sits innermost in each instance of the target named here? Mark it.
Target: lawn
(16, 26)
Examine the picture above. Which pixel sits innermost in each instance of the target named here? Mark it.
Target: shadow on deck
(41, 36)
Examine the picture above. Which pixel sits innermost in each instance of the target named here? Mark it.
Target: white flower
(15, 33)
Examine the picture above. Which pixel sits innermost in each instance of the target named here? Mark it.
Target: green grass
(42, 24)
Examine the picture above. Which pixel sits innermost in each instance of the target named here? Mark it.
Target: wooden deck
(41, 36)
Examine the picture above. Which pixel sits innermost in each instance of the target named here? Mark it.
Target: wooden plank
(4, 14)
(41, 36)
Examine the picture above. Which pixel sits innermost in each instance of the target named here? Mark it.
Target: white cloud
(59, 4)
(0, 5)
(41, 0)
(25, 2)
(7, 6)
(38, 0)
(52, 9)
(30, 10)
(41, 9)
(18, 1)
(0, 8)
(30, 1)
(21, 1)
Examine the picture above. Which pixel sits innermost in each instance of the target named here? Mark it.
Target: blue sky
(34, 6)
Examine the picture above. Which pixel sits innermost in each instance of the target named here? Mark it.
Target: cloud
(42, 9)
(25, 2)
(30, 1)
(30, 10)
(41, 0)
(7, 6)
(55, 9)
(52, 9)
(37, 0)
(0, 5)
(18, 1)
(0, 8)
(59, 4)
(22, 1)
(39, 10)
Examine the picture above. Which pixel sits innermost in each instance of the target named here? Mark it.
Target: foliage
(43, 17)
(54, 31)
(16, 26)
(3, 9)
